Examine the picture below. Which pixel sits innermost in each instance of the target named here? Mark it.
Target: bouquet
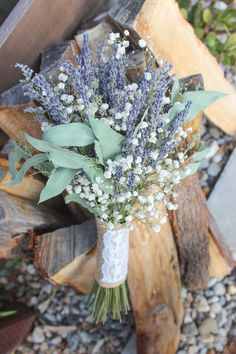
(117, 147)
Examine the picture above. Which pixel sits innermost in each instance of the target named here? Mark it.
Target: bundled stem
(109, 301)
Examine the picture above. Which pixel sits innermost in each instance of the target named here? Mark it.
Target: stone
(231, 290)
(212, 282)
(56, 340)
(209, 325)
(201, 304)
(222, 203)
(38, 335)
(31, 269)
(130, 347)
(215, 133)
(85, 338)
(207, 338)
(190, 329)
(219, 289)
(213, 299)
(193, 349)
(187, 318)
(203, 351)
(43, 306)
(214, 169)
(216, 307)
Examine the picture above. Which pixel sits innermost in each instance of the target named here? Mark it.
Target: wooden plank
(14, 121)
(75, 260)
(30, 187)
(19, 215)
(221, 203)
(154, 286)
(34, 25)
(169, 36)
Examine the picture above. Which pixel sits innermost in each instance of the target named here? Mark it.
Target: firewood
(14, 121)
(34, 25)
(30, 187)
(75, 260)
(154, 286)
(18, 215)
(51, 57)
(169, 36)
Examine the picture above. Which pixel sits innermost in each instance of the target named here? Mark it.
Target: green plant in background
(214, 22)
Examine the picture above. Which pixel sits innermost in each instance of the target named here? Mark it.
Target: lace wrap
(112, 255)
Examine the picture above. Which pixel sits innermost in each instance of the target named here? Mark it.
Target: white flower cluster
(121, 45)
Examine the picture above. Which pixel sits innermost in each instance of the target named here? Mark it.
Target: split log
(51, 57)
(37, 24)
(169, 36)
(14, 121)
(18, 215)
(154, 286)
(30, 187)
(75, 260)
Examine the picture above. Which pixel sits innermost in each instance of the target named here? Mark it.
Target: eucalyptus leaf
(13, 157)
(201, 155)
(175, 89)
(31, 162)
(98, 151)
(68, 159)
(110, 141)
(57, 183)
(200, 100)
(38, 144)
(93, 172)
(70, 134)
(191, 169)
(77, 199)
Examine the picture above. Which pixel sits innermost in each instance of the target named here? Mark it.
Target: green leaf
(200, 155)
(7, 313)
(199, 32)
(77, 199)
(110, 141)
(191, 169)
(59, 156)
(207, 16)
(31, 162)
(38, 144)
(71, 134)
(211, 39)
(231, 42)
(98, 151)
(57, 182)
(197, 16)
(93, 171)
(200, 100)
(175, 89)
(15, 156)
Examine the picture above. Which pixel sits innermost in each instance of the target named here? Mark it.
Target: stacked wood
(34, 25)
(29, 188)
(186, 245)
(169, 36)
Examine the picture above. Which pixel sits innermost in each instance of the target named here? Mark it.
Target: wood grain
(34, 25)
(169, 36)
(75, 260)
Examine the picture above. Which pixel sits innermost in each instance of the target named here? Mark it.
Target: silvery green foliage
(118, 148)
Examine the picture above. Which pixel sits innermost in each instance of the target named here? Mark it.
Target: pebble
(219, 289)
(192, 349)
(202, 305)
(190, 329)
(56, 340)
(215, 133)
(209, 325)
(38, 335)
(231, 290)
(214, 169)
(216, 307)
(212, 282)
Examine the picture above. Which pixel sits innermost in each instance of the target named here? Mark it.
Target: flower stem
(109, 301)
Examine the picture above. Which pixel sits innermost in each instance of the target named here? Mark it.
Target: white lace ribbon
(112, 257)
